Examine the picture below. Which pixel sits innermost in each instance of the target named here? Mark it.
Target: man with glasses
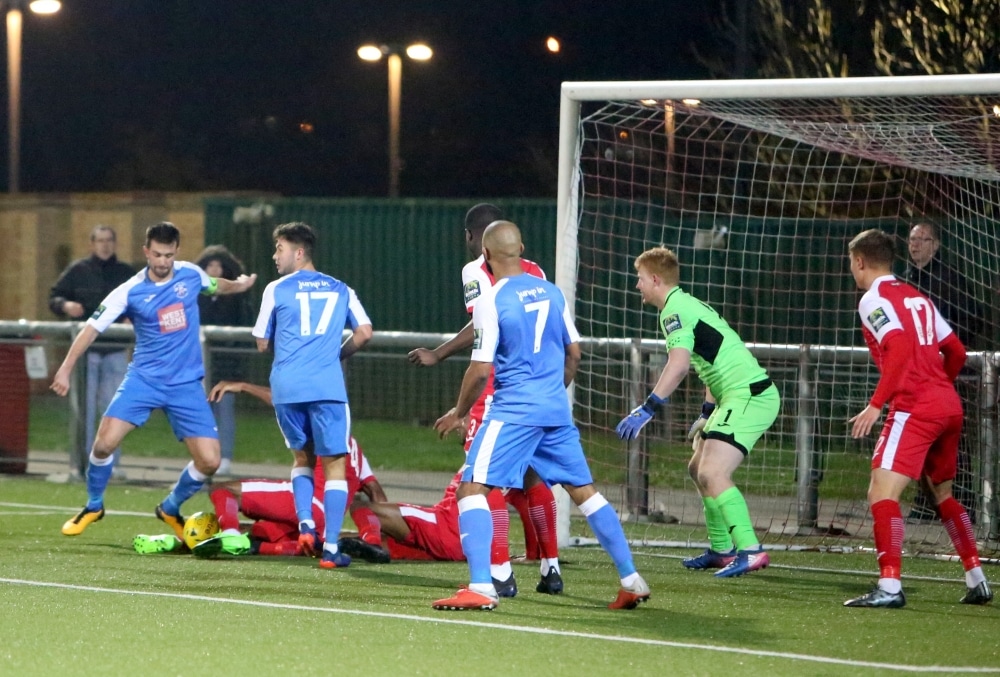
(949, 291)
(944, 285)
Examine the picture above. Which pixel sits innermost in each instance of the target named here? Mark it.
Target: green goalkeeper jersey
(719, 356)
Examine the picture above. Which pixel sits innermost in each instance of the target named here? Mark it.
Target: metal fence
(382, 386)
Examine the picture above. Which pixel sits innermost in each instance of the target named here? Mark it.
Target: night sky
(210, 95)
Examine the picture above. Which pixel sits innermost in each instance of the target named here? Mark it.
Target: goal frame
(575, 94)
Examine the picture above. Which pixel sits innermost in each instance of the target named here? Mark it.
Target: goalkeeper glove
(706, 410)
(628, 428)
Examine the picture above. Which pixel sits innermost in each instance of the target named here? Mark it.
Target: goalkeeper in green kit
(741, 403)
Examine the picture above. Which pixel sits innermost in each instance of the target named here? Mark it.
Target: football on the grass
(200, 527)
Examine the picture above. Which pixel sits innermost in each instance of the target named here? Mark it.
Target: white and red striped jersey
(892, 310)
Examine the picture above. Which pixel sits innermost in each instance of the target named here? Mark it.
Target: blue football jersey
(304, 315)
(522, 325)
(166, 322)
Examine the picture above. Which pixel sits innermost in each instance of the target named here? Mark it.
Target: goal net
(759, 186)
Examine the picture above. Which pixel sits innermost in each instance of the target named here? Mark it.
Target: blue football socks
(475, 525)
(188, 484)
(98, 475)
(604, 522)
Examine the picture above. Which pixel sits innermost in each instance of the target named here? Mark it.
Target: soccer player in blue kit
(166, 371)
(302, 317)
(523, 330)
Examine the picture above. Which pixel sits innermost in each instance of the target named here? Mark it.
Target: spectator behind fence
(949, 291)
(75, 296)
(944, 285)
(226, 311)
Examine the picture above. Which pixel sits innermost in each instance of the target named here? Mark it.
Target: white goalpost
(758, 185)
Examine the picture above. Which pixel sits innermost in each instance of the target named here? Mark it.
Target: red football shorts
(915, 445)
(434, 530)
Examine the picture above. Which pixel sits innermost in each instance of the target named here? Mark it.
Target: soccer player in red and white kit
(271, 504)
(907, 338)
(413, 531)
(432, 533)
(535, 503)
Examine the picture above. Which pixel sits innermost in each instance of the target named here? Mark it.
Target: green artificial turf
(89, 605)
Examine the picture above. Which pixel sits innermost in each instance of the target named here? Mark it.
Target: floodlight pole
(15, 23)
(15, 29)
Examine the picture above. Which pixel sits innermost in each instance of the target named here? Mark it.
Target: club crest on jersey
(878, 319)
(181, 290)
(671, 323)
(472, 291)
(477, 339)
(172, 318)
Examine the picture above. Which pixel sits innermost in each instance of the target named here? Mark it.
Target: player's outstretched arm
(237, 286)
(262, 393)
(472, 387)
(374, 491)
(356, 341)
(422, 357)
(60, 383)
(677, 366)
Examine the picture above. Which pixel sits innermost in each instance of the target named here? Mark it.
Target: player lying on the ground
(270, 503)
(432, 533)
(271, 506)
(428, 533)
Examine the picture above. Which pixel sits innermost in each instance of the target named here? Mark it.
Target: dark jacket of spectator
(88, 281)
(947, 288)
(232, 310)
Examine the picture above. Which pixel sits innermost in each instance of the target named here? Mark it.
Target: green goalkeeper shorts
(742, 416)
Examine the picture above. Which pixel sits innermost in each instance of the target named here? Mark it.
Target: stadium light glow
(418, 51)
(552, 44)
(370, 52)
(45, 6)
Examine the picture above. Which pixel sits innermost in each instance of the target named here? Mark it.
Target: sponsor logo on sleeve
(172, 318)
(878, 319)
(671, 323)
(477, 339)
(472, 291)
(100, 311)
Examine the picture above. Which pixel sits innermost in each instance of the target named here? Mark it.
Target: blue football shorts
(501, 453)
(185, 405)
(327, 424)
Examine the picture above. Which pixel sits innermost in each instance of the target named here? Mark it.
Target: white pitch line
(28, 513)
(71, 511)
(513, 628)
(872, 573)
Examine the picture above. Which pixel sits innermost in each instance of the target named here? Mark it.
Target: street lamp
(14, 30)
(417, 52)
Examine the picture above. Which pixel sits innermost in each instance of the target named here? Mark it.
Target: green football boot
(149, 545)
(230, 545)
